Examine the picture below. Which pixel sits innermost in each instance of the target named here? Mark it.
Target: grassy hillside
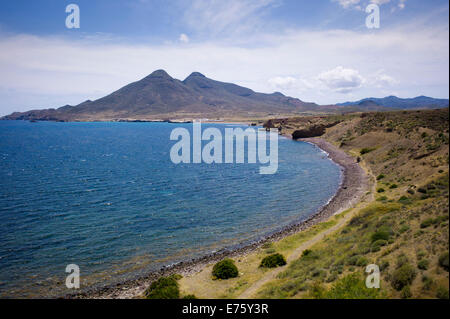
(404, 231)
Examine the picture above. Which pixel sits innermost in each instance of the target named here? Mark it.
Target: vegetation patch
(403, 276)
(273, 261)
(225, 269)
(163, 288)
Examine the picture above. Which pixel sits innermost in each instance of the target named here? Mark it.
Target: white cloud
(341, 80)
(48, 70)
(380, 2)
(282, 83)
(347, 3)
(231, 16)
(183, 38)
(382, 80)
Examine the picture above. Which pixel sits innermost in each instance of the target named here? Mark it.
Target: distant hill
(159, 96)
(420, 102)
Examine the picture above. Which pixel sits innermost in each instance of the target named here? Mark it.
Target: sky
(318, 51)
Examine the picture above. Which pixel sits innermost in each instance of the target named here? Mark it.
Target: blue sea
(106, 197)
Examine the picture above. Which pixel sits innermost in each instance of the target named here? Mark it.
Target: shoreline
(354, 184)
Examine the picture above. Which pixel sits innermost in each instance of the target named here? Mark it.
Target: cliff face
(302, 127)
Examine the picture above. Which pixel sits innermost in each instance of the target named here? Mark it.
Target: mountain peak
(159, 74)
(196, 74)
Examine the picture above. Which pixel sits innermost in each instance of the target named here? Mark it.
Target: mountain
(420, 102)
(159, 96)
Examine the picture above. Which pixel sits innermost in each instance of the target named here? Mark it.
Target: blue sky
(317, 51)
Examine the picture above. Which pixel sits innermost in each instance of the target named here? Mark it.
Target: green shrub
(427, 283)
(426, 223)
(353, 260)
(225, 269)
(380, 190)
(273, 261)
(404, 200)
(362, 261)
(423, 264)
(381, 234)
(384, 264)
(306, 252)
(376, 245)
(176, 276)
(406, 292)
(443, 261)
(317, 291)
(351, 287)
(366, 150)
(189, 297)
(163, 288)
(402, 260)
(403, 229)
(393, 186)
(442, 293)
(403, 276)
(380, 177)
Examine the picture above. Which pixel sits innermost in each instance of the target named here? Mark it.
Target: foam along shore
(355, 183)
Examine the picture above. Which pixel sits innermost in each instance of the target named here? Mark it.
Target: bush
(403, 276)
(317, 291)
(443, 261)
(362, 261)
(380, 190)
(393, 186)
(426, 223)
(189, 297)
(422, 190)
(379, 177)
(404, 200)
(306, 252)
(163, 288)
(427, 283)
(376, 245)
(352, 261)
(225, 269)
(442, 293)
(351, 287)
(423, 264)
(406, 292)
(366, 150)
(403, 229)
(384, 264)
(383, 235)
(273, 261)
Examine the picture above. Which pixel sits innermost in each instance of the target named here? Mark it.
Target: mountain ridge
(395, 102)
(158, 96)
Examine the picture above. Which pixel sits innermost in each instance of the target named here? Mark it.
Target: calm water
(106, 197)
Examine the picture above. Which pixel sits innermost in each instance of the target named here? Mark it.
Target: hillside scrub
(406, 231)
